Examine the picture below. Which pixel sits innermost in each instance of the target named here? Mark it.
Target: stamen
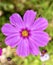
(25, 33)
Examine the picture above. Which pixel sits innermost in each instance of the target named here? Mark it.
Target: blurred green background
(43, 8)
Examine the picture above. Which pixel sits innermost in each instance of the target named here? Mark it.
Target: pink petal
(40, 24)
(0, 51)
(40, 38)
(16, 20)
(12, 40)
(34, 49)
(29, 17)
(23, 48)
(8, 29)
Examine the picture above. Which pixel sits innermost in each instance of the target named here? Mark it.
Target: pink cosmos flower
(26, 34)
(0, 51)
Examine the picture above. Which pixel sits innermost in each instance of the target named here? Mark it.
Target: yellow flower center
(25, 33)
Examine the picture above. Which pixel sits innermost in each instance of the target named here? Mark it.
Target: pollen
(25, 33)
